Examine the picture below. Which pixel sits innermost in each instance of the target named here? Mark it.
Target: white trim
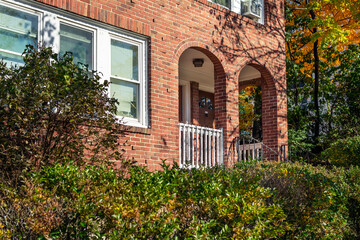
(141, 121)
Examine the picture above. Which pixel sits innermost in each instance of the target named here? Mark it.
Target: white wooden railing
(200, 146)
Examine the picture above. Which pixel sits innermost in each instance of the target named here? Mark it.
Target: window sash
(123, 55)
(130, 77)
(127, 94)
(81, 46)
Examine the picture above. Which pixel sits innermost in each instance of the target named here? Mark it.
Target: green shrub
(249, 201)
(344, 152)
(350, 181)
(310, 198)
(52, 109)
(95, 202)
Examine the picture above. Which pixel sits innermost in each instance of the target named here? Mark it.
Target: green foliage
(345, 93)
(52, 109)
(300, 149)
(344, 152)
(310, 198)
(249, 201)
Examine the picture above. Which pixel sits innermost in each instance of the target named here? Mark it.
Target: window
(225, 3)
(17, 29)
(253, 9)
(77, 41)
(119, 56)
(125, 77)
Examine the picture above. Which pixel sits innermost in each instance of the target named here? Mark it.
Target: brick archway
(274, 121)
(219, 77)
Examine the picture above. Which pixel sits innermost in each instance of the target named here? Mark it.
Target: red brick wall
(230, 40)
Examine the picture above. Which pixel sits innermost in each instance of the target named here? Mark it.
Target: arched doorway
(196, 89)
(259, 132)
(200, 135)
(250, 102)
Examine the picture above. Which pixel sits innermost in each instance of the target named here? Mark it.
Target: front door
(206, 109)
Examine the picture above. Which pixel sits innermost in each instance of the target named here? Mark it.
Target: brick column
(194, 103)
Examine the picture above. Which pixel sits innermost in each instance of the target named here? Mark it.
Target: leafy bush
(52, 109)
(175, 203)
(249, 201)
(344, 152)
(350, 181)
(310, 198)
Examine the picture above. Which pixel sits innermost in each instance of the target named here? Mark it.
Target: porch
(209, 129)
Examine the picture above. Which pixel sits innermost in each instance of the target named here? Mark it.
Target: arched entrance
(201, 131)
(250, 102)
(196, 89)
(260, 136)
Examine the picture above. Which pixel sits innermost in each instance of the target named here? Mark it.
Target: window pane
(79, 42)
(124, 60)
(225, 3)
(17, 29)
(127, 95)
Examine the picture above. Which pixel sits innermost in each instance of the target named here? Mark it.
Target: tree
(316, 32)
(52, 110)
(344, 80)
(250, 111)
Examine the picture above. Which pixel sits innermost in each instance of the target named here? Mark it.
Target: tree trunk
(316, 85)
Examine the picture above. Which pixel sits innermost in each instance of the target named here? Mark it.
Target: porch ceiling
(203, 75)
(248, 73)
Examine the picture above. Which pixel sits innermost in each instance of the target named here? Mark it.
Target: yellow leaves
(246, 108)
(4, 233)
(330, 22)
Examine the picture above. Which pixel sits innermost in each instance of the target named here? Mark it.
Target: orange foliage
(334, 24)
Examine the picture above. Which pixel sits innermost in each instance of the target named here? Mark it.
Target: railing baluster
(201, 147)
(192, 147)
(243, 153)
(197, 146)
(209, 148)
(238, 152)
(205, 143)
(184, 145)
(253, 156)
(180, 145)
(217, 148)
(188, 145)
(222, 146)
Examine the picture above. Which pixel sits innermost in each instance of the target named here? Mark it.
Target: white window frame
(102, 33)
(141, 121)
(83, 27)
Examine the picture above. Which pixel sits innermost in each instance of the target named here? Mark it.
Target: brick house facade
(164, 34)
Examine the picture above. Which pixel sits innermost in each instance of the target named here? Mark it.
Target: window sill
(134, 126)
